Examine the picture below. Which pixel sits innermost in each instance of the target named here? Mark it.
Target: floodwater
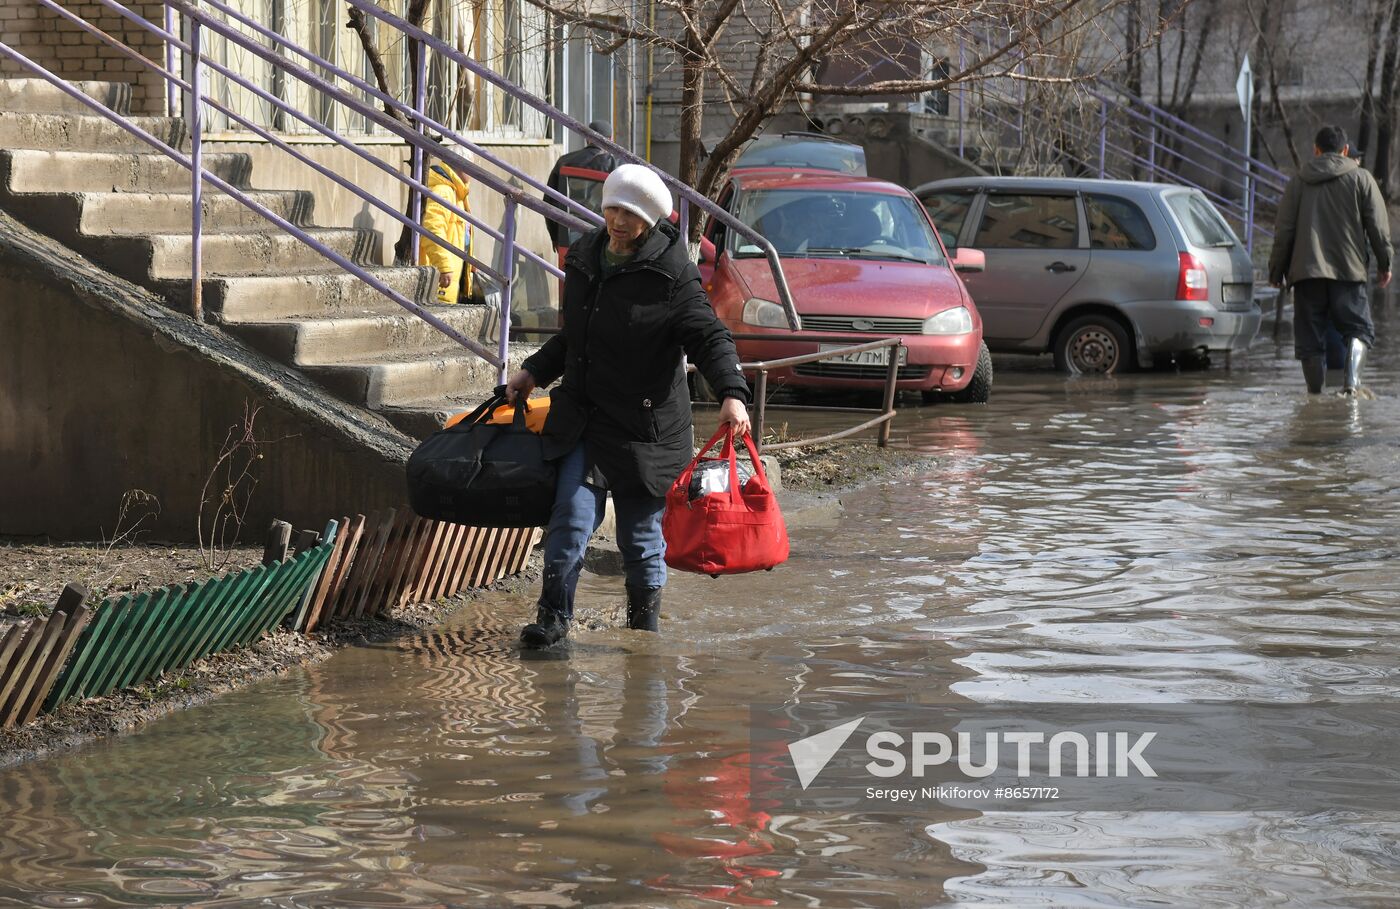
(1208, 536)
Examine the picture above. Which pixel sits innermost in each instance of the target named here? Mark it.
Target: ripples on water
(1203, 537)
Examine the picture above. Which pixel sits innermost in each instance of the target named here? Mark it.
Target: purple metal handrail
(514, 198)
(682, 190)
(1241, 209)
(1161, 132)
(1182, 125)
(232, 191)
(262, 133)
(555, 206)
(586, 218)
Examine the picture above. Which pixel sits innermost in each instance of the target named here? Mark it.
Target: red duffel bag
(730, 531)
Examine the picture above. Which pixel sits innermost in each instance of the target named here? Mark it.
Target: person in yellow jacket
(450, 183)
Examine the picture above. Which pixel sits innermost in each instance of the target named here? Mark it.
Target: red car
(861, 257)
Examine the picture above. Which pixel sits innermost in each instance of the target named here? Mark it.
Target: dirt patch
(79, 722)
(34, 572)
(844, 466)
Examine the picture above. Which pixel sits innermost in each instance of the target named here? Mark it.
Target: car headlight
(764, 313)
(955, 321)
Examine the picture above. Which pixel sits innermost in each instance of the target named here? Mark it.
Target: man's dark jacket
(624, 388)
(1331, 214)
(590, 157)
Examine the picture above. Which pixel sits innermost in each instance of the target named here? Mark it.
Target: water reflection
(1205, 536)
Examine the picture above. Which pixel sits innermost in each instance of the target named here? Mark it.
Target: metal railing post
(196, 120)
(760, 400)
(172, 99)
(1249, 202)
(507, 272)
(891, 377)
(1103, 137)
(420, 97)
(1152, 149)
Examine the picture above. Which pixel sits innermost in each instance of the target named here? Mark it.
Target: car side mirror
(967, 260)
(707, 251)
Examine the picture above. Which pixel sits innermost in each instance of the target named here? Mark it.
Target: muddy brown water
(1208, 536)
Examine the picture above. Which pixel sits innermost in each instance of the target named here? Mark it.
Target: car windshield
(814, 224)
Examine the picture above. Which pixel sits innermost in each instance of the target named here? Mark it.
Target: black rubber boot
(1315, 373)
(549, 628)
(643, 608)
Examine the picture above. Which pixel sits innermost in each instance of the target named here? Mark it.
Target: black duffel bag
(481, 474)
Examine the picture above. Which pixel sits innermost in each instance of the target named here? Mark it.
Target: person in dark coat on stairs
(590, 157)
(620, 419)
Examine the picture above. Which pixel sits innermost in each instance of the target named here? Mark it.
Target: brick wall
(61, 47)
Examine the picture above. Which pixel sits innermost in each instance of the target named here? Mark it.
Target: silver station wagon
(1105, 274)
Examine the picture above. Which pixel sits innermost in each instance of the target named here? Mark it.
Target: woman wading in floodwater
(620, 419)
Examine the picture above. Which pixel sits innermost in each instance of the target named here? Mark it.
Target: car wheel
(1093, 345)
(979, 390)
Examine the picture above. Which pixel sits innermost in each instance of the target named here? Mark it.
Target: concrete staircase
(107, 195)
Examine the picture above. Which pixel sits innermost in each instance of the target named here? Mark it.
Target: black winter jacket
(624, 390)
(590, 157)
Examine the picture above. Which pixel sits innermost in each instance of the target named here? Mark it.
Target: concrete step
(409, 380)
(33, 171)
(421, 419)
(71, 132)
(153, 258)
(38, 96)
(314, 342)
(270, 298)
(128, 214)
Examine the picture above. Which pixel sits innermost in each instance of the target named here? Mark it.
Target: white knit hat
(639, 190)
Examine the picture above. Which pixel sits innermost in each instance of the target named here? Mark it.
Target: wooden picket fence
(396, 557)
(138, 637)
(32, 655)
(356, 568)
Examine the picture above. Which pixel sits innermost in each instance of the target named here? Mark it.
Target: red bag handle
(727, 433)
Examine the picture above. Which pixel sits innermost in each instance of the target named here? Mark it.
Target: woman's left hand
(733, 412)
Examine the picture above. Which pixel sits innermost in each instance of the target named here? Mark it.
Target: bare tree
(751, 58)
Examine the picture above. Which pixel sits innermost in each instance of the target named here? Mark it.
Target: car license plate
(1236, 293)
(878, 357)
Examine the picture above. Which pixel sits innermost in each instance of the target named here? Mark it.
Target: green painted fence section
(137, 637)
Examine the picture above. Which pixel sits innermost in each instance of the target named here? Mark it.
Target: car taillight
(1191, 282)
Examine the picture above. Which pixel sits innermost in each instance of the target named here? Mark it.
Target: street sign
(1244, 90)
(1244, 87)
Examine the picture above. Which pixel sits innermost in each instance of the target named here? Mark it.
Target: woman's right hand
(520, 386)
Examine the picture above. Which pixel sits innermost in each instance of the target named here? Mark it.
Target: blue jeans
(578, 510)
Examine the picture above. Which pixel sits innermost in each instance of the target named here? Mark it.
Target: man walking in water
(1330, 214)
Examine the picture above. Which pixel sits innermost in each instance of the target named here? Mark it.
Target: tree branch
(608, 26)
(360, 27)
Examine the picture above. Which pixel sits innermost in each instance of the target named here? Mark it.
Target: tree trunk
(1133, 77)
(1385, 108)
(692, 116)
(1368, 94)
